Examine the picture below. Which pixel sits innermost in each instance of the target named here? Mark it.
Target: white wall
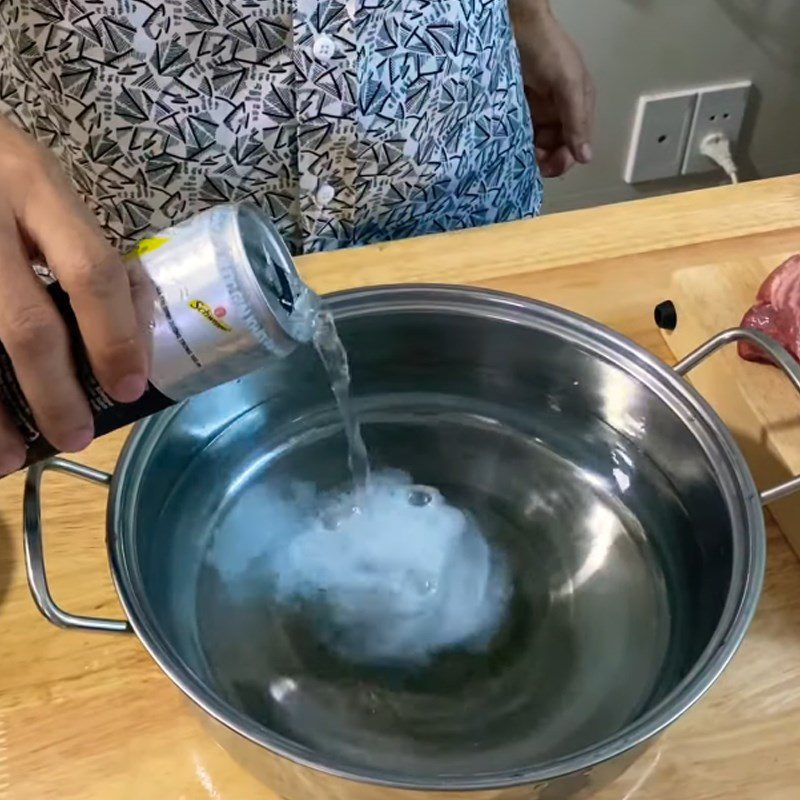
(635, 47)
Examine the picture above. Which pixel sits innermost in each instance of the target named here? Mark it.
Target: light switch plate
(720, 109)
(660, 134)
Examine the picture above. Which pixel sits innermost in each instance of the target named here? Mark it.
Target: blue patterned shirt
(349, 121)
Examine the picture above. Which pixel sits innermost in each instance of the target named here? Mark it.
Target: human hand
(41, 217)
(558, 88)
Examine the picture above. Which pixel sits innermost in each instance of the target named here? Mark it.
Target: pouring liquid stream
(333, 355)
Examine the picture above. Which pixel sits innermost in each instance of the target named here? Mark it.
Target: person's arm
(41, 217)
(530, 6)
(559, 89)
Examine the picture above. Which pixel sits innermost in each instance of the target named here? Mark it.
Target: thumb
(574, 106)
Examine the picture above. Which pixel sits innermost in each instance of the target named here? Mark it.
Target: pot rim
(748, 564)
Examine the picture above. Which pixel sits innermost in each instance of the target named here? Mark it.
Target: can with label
(227, 297)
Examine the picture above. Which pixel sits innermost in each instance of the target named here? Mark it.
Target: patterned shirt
(349, 121)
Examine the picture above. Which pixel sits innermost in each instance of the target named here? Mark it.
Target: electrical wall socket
(719, 109)
(660, 133)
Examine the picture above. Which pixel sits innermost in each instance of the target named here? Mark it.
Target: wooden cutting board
(756, 401)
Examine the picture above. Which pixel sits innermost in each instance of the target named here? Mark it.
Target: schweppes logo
(146, 246)
(205, 310)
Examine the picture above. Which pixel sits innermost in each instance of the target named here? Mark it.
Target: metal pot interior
(626, 514)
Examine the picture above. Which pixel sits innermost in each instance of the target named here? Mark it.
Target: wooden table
(90, 717)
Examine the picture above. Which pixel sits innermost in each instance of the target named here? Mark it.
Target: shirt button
(325, 194)
(324, 48)
(308, 181)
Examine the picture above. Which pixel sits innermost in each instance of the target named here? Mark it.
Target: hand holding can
(116, 339)
(41, 217)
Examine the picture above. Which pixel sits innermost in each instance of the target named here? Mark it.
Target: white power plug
(717, 147)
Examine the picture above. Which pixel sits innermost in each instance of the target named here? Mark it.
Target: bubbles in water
(389, 572)
(393, 579)
(420, 496)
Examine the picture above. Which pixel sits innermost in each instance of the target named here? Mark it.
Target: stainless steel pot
(628, 514)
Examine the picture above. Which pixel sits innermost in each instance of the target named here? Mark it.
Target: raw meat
(776, 312)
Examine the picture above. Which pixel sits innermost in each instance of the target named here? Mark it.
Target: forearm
(527, 14)
(529, 8)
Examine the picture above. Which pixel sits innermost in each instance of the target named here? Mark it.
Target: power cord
(717, 147)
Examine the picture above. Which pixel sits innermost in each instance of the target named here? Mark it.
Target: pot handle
(34, 552)
(778, 354)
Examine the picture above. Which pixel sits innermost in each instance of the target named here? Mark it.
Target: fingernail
(11, 459)
(79, 439)
(585, 153)
(129, 388)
